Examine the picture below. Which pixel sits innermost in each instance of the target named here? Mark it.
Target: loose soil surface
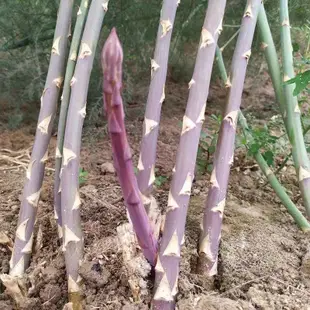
(263, 257)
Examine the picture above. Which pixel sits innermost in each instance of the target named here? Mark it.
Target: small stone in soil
(107, 168)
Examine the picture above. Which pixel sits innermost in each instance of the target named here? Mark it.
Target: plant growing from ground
(112, 60)
(206, 147)
(24, 234)
(69, 186)
(167, 267)
(82, 176)
(75, 43)
(223, 158)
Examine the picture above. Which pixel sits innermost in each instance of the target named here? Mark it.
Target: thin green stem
(292, 115)
(230, 40)
(300, 220)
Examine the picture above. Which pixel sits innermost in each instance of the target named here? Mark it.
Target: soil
(264, 259)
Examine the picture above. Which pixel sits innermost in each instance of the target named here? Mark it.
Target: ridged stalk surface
(167, 267)
(35, 173)
(223, 157)
(292, 115)
(112, 59)
(75, 43)
(69, 185)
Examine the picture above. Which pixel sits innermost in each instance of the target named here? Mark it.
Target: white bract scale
(73, 56)
(166, 26)
(297, 110)
(172, 204)
(149, 125)
(163, 96)
(105, 5)
(73, 287)
(205, 247)
(231, 117)
(247, 55)
(152, 176)
(286, 22)
(28, 247)
(55, 214)
(163, 291)
(303, 174)
(42, 97)
(191, 83)
(268, 171)
(219, 207)
(85, 50)
(73, 80)
(248, 11)
(213, 270)
(45, 157)
(82, 112)
(28, 173)
(44, 124)
(55, 47)
(60, 232)
(33, 199)
(187, 186)
(77, 201)
(58, 81)
(201, 116)
(68, 155)
(19, 268)
(219, 28)
(159, 266)
(21, 230)
(187, 125)
(70, 236)
(173, 247)
(228, 82)
(58, 154)
(175, 287)
(140, 163)
(206, 38)
(154, 67)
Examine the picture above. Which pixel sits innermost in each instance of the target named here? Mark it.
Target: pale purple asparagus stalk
(24, 234)
(156, 96)
(111, 60)
(167, 267)
(69, 185)
(74, 48)
(223, 158)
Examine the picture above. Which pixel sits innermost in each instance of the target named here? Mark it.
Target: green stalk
(300, 220)
(292, 115)
(272, 59)
(79, 25)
